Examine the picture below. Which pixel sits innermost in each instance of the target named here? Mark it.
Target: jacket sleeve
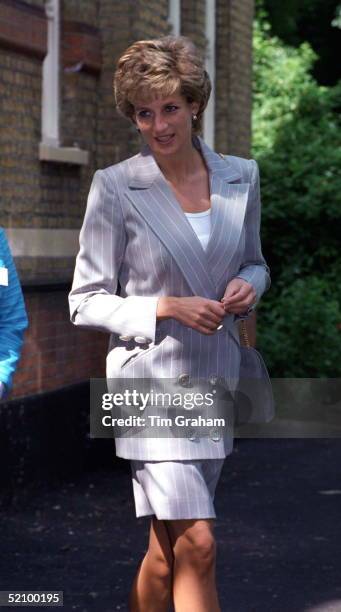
(13, 318)
(93, 301)
(254, 269)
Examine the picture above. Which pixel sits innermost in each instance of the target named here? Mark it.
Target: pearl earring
(195, 117)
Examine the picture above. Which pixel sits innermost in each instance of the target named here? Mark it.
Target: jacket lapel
(152, 197)
(228, 206)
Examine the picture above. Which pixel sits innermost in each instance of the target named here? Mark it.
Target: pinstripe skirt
(181, 489)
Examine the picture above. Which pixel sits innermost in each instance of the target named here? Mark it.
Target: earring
(195, 117)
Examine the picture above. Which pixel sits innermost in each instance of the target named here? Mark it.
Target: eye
(170, 108)
(143, 114)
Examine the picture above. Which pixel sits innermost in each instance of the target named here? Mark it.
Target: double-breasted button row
(192, 435)
(142, 340)
(184, 380)
(215, 436)
(138, 339)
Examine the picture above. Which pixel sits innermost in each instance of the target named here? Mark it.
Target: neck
(177, 168)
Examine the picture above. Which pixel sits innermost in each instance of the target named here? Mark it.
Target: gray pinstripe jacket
(135, 233)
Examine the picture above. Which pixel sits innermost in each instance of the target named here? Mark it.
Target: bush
(299, 334)
(296, 126)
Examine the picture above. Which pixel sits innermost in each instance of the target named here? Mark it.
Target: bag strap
(244, 336)
(243, 333)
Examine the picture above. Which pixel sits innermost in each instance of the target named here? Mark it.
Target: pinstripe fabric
(136, 233)
(13, 319)
(175, 489)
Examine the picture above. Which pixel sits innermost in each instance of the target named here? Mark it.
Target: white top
(201, 224)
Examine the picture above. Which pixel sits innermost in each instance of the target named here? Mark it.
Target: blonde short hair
(161, 67)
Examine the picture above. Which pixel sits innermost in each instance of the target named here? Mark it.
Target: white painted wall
(50, 85)
(210, 27)
(174, 16)
(41, 242)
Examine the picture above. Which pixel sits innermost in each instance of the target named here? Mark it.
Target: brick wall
(233, 76)
(112, 139)
(150, 19)
(20, 93)
(122, 24)
(233, 67)
(193, 22)
(55, 352)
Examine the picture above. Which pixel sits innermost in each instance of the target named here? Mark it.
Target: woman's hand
(200, 313)
(239, 296)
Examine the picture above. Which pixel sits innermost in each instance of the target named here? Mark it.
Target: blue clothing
(13, 318)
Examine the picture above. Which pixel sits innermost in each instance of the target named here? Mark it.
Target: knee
(162, 566)
(197, 550)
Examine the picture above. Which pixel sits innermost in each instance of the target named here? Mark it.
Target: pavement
(278, 532)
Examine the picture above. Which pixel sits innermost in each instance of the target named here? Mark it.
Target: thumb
(231, 289)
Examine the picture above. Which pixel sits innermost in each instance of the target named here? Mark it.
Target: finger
(207, 331)
(242, 303)
(242, 292)
(205, 323)
(239, 304)
(209, 324)
(241, 308)
(214, 319)
(230, 292)
(214, 324)
(211, 321)
(203, 329)
(217, 308)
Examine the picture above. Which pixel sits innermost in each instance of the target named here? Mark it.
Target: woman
(178, 227)
(13, 318)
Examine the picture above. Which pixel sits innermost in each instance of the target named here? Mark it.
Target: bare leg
(152, 586)
(194, 549)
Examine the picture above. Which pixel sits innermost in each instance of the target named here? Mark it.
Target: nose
(160, 123)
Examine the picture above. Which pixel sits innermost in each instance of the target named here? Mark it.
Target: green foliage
(287, 19)
(313, 21)
(299, 330)
(281, 78)
(296, 127)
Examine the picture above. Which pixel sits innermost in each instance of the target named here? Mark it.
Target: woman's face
(166, 123)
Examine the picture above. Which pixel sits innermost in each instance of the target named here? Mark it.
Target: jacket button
(213, 380)
(215, 435)
(188, 407)
(141, 340)
(184, 380)
(125, 338)
(192, 436)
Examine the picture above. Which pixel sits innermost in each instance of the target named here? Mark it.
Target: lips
(164, 139)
